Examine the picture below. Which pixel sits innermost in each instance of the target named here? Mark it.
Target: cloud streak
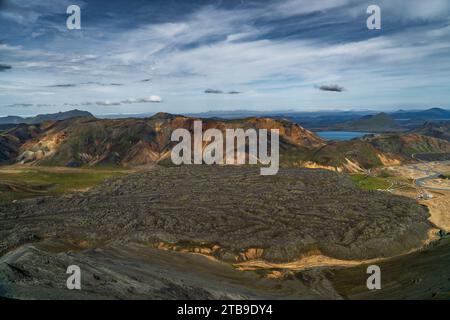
(106, 103)
(216, 91)
(71, 85)
(4, 67)
(331, 87)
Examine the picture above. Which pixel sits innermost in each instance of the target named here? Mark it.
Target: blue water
(340, 135)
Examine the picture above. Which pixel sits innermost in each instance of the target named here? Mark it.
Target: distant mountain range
(234, 114)
(328, 120)
(422, 115)
(380, 122)
(335, 120)
(45, 117)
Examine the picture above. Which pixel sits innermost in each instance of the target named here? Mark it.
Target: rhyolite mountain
(45, 117)
(133, 142)
(126, 142)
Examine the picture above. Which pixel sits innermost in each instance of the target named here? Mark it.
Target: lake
(340, 135)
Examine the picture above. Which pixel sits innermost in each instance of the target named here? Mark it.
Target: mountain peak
(163, 116)
(436, 109)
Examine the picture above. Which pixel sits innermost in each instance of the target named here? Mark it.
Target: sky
(139, 56)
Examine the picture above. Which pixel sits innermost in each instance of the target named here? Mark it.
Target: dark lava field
(287, 215)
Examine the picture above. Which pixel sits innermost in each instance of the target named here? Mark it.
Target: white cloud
(153, 98)
(107, 103)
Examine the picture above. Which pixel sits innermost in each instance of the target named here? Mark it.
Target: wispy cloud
(20, 105)
(106, 103)
(71, 85)
(277, 50)
(65, 85)
(214, 91)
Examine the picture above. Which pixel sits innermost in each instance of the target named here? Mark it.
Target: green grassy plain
(370, 183)
(19, 182)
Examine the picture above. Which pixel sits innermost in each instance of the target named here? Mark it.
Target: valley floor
(164, 250)
(425, 185)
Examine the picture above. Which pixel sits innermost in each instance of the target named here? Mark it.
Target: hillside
(380, 122)
(126, 142)
(439, 130)
(353, 156)
(45, 117)
(372, 151)
(409, 144)
(11, 120)
(9, 148)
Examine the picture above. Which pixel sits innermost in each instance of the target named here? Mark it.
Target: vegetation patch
(370, 183)
(19, 183)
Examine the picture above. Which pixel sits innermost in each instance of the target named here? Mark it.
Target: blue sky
(273, 55)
